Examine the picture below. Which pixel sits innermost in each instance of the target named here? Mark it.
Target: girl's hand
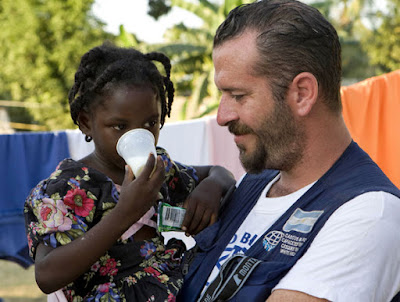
(202, 207)
(141, 193)
(203, 204)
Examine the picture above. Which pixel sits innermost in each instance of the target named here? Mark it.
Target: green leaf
(108, 206)
(62, 238)
(89, 218)
(210, 109)
(91, 195)
(75, 233)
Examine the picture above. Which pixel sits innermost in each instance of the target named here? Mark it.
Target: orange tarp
(371, 110)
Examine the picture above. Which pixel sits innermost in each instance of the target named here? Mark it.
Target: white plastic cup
(135, 147)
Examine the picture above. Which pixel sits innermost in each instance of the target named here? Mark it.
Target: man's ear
(303, 93)
(84, 122)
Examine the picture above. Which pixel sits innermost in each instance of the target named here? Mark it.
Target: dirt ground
(18, 284)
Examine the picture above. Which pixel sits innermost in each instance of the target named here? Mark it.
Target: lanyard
(226, 284)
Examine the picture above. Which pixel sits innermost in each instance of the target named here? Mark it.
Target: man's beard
(279, 142)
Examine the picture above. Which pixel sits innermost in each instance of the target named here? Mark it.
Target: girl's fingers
(204, 222)
(148, 167)
(195, 222)
(159, 172)
(128, 177)
(154, 168)
(214, 218)
(188, 216)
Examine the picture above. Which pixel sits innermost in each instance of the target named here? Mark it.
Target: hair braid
(167, 83)
(79, 95)
(106, 66)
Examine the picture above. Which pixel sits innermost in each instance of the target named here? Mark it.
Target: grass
(18, 284)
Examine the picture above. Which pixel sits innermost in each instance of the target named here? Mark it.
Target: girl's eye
(119, 127)
(150, 124)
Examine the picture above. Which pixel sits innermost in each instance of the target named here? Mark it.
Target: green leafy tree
(369, 31)
(41, 45)
(190, 50)
(157, 8)
(351, 19)
(383, 42)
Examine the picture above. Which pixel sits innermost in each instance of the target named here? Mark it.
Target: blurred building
(5, 126)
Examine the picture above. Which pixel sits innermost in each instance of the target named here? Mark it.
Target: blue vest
(288, 238)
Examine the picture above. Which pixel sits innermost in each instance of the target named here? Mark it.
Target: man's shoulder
(373, 205)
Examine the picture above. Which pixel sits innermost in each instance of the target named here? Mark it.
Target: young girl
(90, 225)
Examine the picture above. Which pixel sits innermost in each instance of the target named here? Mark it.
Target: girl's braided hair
(104, 67)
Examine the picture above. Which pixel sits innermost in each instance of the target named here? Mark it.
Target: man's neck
(317, 160)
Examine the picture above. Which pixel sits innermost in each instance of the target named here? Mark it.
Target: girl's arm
(57, 267)
(203, 203)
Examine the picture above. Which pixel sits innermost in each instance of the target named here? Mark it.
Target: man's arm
(285, 295)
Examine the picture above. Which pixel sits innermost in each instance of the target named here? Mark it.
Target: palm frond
(210, 108)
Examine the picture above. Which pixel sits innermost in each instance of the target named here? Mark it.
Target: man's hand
(280, 295)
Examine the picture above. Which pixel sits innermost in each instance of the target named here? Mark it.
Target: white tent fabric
(193, 142)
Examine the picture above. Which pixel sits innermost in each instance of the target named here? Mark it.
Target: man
(320, 220)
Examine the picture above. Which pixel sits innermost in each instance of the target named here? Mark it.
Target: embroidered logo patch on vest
(271, 240)
(302, 221)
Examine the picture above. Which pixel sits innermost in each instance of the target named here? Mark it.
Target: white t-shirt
(354, 257)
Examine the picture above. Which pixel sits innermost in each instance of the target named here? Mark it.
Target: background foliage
(383, 43)
(42, 42)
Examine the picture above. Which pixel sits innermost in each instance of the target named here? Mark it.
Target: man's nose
(226, 111)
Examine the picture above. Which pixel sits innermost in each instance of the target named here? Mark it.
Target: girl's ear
(303, 93)
(84, 122)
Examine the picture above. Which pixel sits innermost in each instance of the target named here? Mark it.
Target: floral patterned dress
(73, 199)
